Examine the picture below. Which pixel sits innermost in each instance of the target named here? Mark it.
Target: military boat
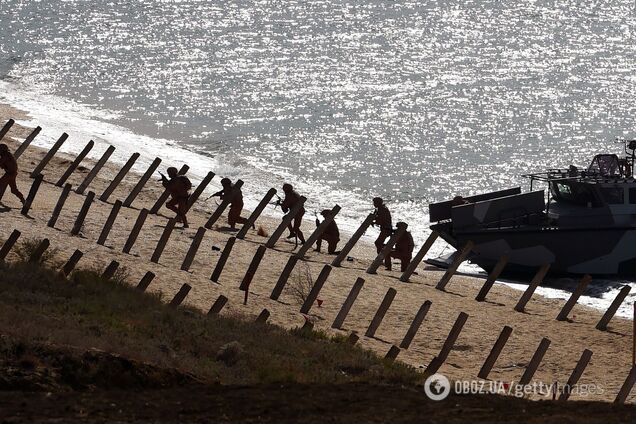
(582, 222)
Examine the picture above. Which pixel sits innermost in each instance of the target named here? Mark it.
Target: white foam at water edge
(57, 115)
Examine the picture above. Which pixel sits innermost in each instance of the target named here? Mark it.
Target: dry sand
(612, 349)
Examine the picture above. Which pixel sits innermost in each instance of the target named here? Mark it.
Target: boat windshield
(605, 165)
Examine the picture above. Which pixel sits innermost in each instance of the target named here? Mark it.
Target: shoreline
(612, 350)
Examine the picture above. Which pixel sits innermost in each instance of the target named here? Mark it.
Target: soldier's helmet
(287, 187)
(225, 182)
(4, 148)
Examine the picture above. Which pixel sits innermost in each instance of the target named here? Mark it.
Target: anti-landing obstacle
(452, 269)
(287, 219)
(93, 173)
(73, 166)
(134, 233)
(580, 289)
(194, 247)
(27, 141)
(70, 265)
(415, 325)
(59, 205)
(109, 222)
(79, 222)
(373, 268)
(35, 186)
(381, 312)
(439, 360)
(495, 352)
(283, 277)
(353, 240)
(317, 232)
(49, 155)
(199, 190)
(180, 296)
(536, 280)
(218, 304)
(251, 270)
(348, 303)
(119, 177)
(224, 204)
(492, 277)
(256, 213)
(412, 266)
(535, 361)
(37, 253)
(315, 290)
(5, 129)
(142, 182)
(576, 374)
(145, 281)
(163, 240)
(609, 314)
(8, 244)
(110, 270)
(216, 274)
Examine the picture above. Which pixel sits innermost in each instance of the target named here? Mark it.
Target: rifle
(278, 202)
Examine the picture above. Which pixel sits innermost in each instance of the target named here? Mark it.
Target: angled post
(73, 166)
(452, 269)
(35, 186)
(119, 177)
(609, 314)
(8, 244)
(109, 222)
(219, 209)
(415, 325)
(27, 142)
(251, 270)
(492, 277)
(353, 240)
(59, 205)
(527, 295)
(79, 221)
(317, 232)
(257, 212)
(134, 233)
(194, 247)
(39, 251)
(412, 266)
(164, 196)
(495, 352)
(379, 259)
(217, 305)
(287, 219)
(222, 260)
(49, 155)
(627, 386)
(180, 296)
(163, 240)
(93, 173)
(381, 312)
(576, 374)
(142, 182)
(70, 265)
(574, 297)
(348, 303)
(315, 290)
(535, 361)
(283, 277)
(5, 129)
(145, 281)
(110, 270)
(197, 192)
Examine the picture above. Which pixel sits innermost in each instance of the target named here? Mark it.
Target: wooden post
(251, 270)
(263, 316)
(527, 295)
(5, 129)
(373, 268)
(163, 240)
(45, 160)
(609, 314)
(415, 325)
(222, 260)
(194, 247)
(39, 251)
(348, 303)
(315, 290)
(257, 212)
(59, 205)
(142, 182)
(392, 353)
(461, 257)
(574, 297)
(495, 352)
(535, 361)
(197, 192)
(217, 305)
(353, 240)
(180, 296)
(627, 386)
(219, 209)
(31, 196)
(282, 279)
(379, 314)
(73, 166)
(410, 269)
(109, 222)
(164, 196)
(110, 270)
(317, 233)
(119, 177)
(576, 374)
(145, 281)
(69, 266)
(492, 277)
(8, 244)
(27, 141)
(93, 173)
(287, 219)
(452, 336)
(79, 222)
(134, 233)
(353, 339)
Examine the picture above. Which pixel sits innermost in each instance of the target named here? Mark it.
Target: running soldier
(331, 234)
(179, 188)
(290, 200)
(230, 191)
(382, 220)
(10, 167)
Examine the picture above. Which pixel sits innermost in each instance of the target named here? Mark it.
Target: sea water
(413, 101)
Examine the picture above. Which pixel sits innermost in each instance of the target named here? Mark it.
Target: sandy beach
(612, 350)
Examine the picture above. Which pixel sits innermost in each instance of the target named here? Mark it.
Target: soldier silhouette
(178, 186)
(10, 167)
(403, 249)
(290, 200)
(382, 220)
(230, 191)
(331, 234)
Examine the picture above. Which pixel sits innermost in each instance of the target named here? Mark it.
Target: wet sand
(612, 349)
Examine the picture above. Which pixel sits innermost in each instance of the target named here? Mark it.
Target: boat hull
(576, 251)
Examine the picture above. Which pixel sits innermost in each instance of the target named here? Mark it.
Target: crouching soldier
(331, 234)
(179, 188)
(403, 249)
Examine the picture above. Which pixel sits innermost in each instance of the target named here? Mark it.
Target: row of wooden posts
(435, 364)
(392, 354)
